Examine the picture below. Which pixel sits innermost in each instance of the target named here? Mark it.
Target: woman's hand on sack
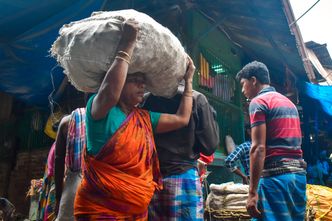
(188, 77)
(130, 30)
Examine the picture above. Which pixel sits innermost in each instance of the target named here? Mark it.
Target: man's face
(248, 88)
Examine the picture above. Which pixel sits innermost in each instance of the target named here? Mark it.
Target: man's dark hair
(255, 69)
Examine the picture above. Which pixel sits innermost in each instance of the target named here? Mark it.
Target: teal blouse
(98, 132)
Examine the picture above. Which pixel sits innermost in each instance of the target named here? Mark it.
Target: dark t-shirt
(178, 150)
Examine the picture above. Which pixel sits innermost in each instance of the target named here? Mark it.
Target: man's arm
(238, 172)
(60, 153)
(257, 157)
(232, 158)
(230, 163)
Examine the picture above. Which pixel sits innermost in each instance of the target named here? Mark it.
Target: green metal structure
(217, 60)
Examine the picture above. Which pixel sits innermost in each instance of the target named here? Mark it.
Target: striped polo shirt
(283, 131)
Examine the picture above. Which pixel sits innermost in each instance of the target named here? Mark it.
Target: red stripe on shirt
(284, 128)
(274, 152)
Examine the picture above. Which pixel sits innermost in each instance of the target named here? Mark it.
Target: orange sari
(119, 182)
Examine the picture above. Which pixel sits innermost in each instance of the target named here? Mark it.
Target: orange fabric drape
(120, 180)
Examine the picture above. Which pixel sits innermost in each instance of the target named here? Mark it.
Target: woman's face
(134, 89)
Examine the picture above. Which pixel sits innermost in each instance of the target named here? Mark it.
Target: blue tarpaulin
(323, 94)
(28, 29)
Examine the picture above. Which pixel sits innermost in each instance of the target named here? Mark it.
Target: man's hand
(252, 205)
(245, 180)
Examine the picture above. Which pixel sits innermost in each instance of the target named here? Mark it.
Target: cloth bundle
(87, 48)
(227, 196)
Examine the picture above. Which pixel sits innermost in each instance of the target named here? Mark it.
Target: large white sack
(87, 48)
(227, 196)
(230, 187)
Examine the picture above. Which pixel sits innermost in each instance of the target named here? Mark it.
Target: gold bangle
(121, 58)
(125, 54)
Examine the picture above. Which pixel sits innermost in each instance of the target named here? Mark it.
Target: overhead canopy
(259, 27)
(28, 28)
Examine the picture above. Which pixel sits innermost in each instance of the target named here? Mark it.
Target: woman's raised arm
(110, 90)
(169, 122)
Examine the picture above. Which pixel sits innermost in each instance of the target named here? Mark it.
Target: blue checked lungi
(180, 199)
(282, 197)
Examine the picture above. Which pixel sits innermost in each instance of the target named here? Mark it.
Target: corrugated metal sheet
(321, 52)
(325, 73)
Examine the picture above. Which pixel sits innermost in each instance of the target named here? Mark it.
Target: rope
(304, 13)
(227, 214)
(324, 214)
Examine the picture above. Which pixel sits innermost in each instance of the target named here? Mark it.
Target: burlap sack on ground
(87, 48)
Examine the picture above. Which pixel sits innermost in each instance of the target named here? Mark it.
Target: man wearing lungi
(277, 188)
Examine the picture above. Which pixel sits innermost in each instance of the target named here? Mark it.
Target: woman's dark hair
(255, 69)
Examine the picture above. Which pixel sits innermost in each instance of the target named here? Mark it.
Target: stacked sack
(227, 201)
(87, 48)
(227, 196)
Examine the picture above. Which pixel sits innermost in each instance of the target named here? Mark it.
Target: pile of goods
(87, 48)
(319, 203)
(228, 201)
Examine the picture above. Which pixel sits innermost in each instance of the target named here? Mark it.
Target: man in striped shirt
(277, 170)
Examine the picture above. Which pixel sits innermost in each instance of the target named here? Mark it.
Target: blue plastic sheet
(28, 29)
(323, 94)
